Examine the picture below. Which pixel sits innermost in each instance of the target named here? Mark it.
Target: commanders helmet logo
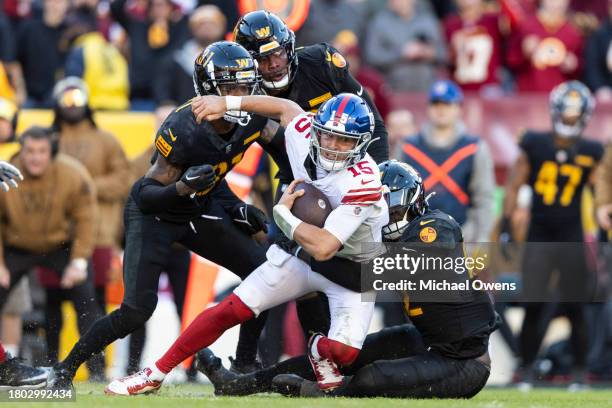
(262, 32)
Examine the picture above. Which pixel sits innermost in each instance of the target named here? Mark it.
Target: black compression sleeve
(154, 197)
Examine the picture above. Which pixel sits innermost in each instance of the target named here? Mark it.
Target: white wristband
(286, 221)
(233, 102)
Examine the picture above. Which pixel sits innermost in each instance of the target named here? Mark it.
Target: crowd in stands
(138, 54)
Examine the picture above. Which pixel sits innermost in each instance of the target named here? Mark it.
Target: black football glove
(506, 239)
(9, 175)
(199, 177)
(249, 218)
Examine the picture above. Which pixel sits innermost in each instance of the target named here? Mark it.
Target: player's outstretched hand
(249, 218)
(9, 175)
(208, 107)
(290, 194)
(199, 178)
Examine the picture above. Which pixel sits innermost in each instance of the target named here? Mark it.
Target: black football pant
(393, 362)
(177, 270)
(148, 246)
(559, 248)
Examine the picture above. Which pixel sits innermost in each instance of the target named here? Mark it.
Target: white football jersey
(355, 194)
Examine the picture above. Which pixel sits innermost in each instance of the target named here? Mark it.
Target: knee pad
(342, 354)
(127, 319)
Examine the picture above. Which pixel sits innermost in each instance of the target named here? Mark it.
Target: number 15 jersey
(355, 194)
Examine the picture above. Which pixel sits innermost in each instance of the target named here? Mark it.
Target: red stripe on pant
(207, 327)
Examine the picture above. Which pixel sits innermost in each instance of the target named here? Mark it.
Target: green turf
(184, 396)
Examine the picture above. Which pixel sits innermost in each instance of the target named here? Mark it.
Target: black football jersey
(458, 329)
(558, 175)
(322, 73)
(185, 143)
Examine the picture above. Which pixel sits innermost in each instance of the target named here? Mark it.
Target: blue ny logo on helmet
(445, 91)
(344, 116)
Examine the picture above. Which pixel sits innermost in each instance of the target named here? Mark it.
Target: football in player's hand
(313, 207)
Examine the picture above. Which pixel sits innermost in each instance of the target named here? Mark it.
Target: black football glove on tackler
(199, 178)
(249, 218)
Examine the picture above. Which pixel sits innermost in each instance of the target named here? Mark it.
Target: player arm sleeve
(112, 186)
(83, 214)
(480, 219)
(152, 196)
(379, 149)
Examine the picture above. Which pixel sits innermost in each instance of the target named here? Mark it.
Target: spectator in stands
(11, 79)
(230, 10)
(405, 46)
(545, 49)
(51, 224)
(103, 157)
(456, 166)
(151, 39)
(38, 52)
(474, 37)
(400, 124)
(326, 18)
(374, 84)
(598, 60)
(101, 12)
(174, 82)
(97, 62)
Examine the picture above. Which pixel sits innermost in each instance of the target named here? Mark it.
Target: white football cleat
(135, 384)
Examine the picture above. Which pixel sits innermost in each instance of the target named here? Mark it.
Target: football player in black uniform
(184, 198)
(308, 75)
(557, 165)
(443, 355)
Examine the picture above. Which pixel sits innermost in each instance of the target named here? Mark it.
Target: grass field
(184, 396)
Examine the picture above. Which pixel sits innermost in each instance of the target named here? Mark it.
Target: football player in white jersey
(327, 149)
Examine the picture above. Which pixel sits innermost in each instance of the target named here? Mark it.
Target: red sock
(340, 353)
(204, 330)
(2, 354)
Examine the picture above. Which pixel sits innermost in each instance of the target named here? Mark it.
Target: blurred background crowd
(90, 61)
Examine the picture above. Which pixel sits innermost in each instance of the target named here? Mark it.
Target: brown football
(313, 207)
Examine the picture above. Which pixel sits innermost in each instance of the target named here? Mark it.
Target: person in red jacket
(545, 49)
(475, 39)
